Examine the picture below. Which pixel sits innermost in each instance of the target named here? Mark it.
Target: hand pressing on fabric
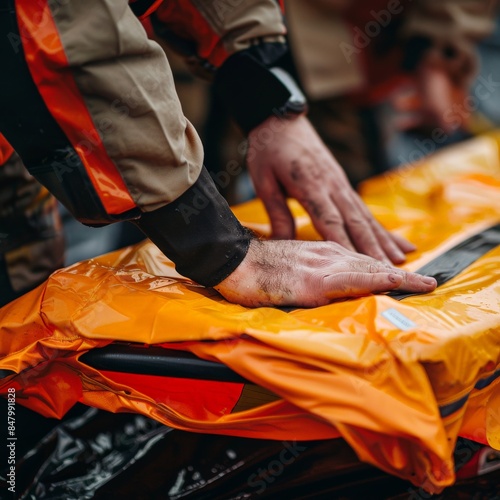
(287, 158)
(311, 274)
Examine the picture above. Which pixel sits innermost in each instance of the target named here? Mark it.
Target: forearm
(242, 48)
(254, 85)
(199, 233)
(115, 144)
(207, 32)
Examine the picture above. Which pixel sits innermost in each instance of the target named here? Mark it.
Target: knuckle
(356, 220)
(334, 221)
(348, 278)
(277, 206)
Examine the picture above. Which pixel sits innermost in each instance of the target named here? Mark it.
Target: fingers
(309, 274)
(336, 214)
(282, 222)
(300, 164)
(393, 247)
(411, 282)
(404, 245)
(416, 283)
(351, 284)
(365, 233)
(367, 275)
(328, 221)
(389, 245)
(350, 223)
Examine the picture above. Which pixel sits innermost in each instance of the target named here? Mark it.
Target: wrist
(254, 87)
(199, 233)
(256, 281)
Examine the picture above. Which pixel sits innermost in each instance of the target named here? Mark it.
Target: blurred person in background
(373, 68)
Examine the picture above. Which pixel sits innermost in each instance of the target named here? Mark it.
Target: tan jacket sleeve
(111, 91)
(91, 108)
(241, 46)
(207, 32)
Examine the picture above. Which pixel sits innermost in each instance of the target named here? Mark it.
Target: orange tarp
(399, 380)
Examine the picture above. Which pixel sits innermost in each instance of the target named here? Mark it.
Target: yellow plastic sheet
(399, 380)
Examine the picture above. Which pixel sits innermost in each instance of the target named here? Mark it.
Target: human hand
(287, 158)
(437, 98)
(311, 274)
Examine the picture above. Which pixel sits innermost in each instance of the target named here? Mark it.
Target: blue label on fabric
(398, 319)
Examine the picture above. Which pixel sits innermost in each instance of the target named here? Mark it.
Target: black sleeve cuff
(254, 86)
(199, 233)
(415, 49)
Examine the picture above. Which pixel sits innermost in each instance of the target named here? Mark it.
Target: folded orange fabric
(398, 379)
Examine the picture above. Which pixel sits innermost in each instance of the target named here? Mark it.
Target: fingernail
(395, 278)
(399, 257)
(428, 280)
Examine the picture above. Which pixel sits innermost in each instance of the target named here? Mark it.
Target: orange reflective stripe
(154, 5)
(50, 71)
(6, 150)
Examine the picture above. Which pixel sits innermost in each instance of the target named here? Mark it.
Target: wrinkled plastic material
(100, 455)
(398, 380)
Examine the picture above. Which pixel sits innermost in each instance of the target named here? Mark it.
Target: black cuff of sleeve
(199, 233)
(415, 49)
(254, 87)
